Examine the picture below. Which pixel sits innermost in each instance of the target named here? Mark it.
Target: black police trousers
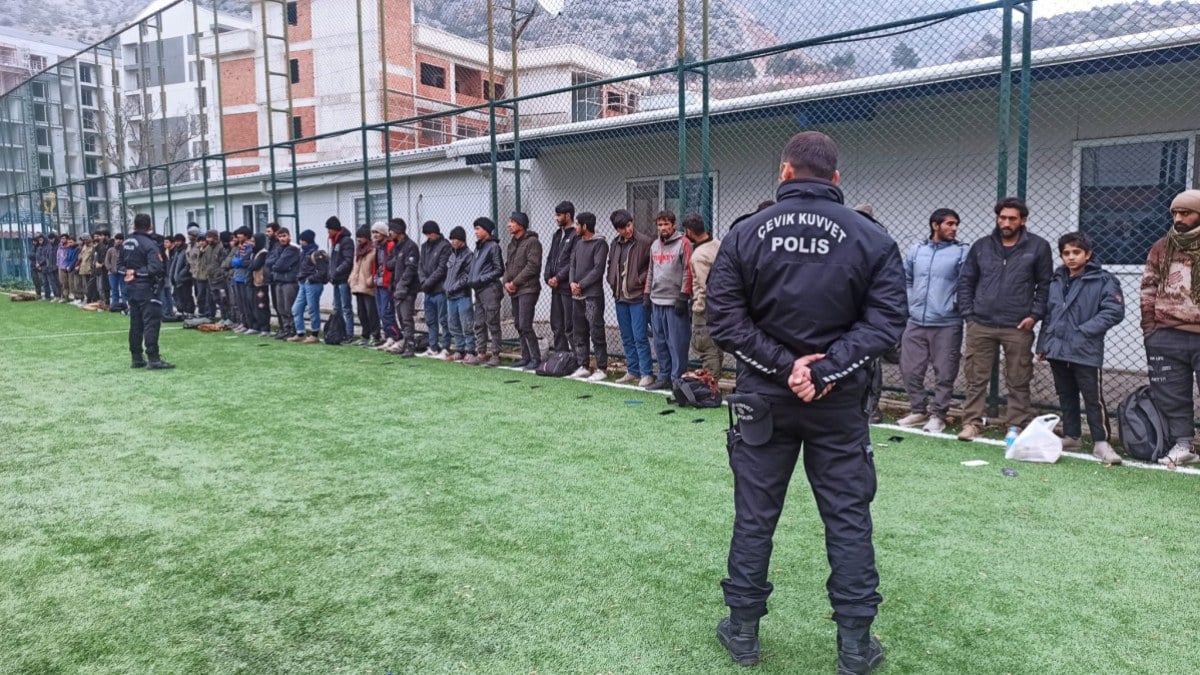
(145, 318)
(832, 438)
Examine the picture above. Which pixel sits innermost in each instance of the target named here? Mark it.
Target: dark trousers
(1072, 380)
(522, 309)
(405, 309)
(925, 346)
(50, 283)
(841, 471)
(102, 285)
(261, 308)
(588, 320)
(487, 318)
(145, 319)
(1174, 360)
(368, 316)
(91, 292)
(204, 303)
(285, 295)
(37, 285)
(185, 297)
(561, 323)
(672, 333)
(387, 314)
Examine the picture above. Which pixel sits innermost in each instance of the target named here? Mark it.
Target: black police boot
(138, 362)
(859, 652)
(159, 364)
(740, 638)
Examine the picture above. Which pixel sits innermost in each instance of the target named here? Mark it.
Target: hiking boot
(627, 378)
(646, 381)
(598, 376)
(935, 425)
(138, 362)
(1069, 443)
(493, 362)
(1104, 452)
(658, 385)
(970, 432)
(913, 419)
(1179, 455)
(159, 364)
(580, 373)
(859, 652)
(740, 639)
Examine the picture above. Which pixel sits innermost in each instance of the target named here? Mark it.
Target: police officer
(806, 294)
(144, 270)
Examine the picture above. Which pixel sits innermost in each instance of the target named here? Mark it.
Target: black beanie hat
(244, 231)
(431, 227)
(226, 237)
(397, 225)
(520, 219)
(308, 237)
(333, 223)
(363, 232)
(457, 232)
(486, 224)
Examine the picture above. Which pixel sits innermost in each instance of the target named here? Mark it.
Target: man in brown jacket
(1170, 300)
(628, 260)
(522, 283)
(704, 252)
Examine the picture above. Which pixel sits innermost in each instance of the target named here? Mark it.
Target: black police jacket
(143, 255)
(806, 276)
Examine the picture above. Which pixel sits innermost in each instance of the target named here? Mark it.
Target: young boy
(1085, 302)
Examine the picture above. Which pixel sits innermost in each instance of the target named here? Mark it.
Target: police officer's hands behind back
(800, 381)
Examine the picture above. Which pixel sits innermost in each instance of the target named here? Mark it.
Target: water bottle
(1011, 437)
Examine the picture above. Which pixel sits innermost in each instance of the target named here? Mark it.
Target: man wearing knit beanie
(486, 269)
(1170, 302)
(312, 276)
(341, 262)
(435, 251)
(458, 298)
(523, 284)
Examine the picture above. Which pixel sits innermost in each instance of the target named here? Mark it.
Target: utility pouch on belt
(750, 418)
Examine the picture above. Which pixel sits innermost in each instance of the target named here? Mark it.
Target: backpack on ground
(335, 330)
(696, 390)
(561, 364)
(1143, 427)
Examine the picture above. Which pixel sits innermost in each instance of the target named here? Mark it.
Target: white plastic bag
(1037, 442)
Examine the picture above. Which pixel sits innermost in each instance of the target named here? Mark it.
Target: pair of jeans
(631, 318)
(588, 320)
(437, 322)
(117, 283)
(925, 346)
(522, 310)
(672, 333)
(203, 301)
(341, 305)
(386, 310)
(167, 298)
(462, 323)
(308, 300)
(561, 323)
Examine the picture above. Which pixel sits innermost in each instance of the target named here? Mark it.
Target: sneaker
(627, 378)
(311, 340)
(740, 640)
(1105, 453)
(579, 373)
(296, 338)
(970, 432)
(159, 364)
(658, 385)
(428, 352)
(532, 366)
(1179, 455)
(598, 376)
(520, 364)
(493, 362)
(935, 425)
(1069, 443)
(396, 348)
(454, 356)
(913, 419)
(408, 354)
(470, 360)
(441, 355)
(646, 381)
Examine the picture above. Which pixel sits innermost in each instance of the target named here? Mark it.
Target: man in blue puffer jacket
(1085, 302)
(935, 328)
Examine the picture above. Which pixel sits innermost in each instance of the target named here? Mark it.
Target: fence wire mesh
(231, 113)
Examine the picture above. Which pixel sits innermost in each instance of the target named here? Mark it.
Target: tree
(135, 135)
(843, 62)
(905, 57)
(733, 71)
(789, 64)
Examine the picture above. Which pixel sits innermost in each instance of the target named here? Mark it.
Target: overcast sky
(1052, 7)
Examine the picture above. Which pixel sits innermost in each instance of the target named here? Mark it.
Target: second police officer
(806, 294)
(144, 270)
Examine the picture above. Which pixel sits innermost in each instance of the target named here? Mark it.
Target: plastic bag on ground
(1037, 442)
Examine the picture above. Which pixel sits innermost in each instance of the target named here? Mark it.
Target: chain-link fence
(243, 113)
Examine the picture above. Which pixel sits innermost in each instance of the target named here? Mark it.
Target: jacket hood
(675, 236)
(810, 188)
(1091, 269)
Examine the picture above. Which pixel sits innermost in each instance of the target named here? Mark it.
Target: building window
(379, 210)
(85, 73)
(89, 143)
(297, 127)
(646, 197)
(89, 120)
(293, 16)
(1125, 192)
(202, 217)
(44, 162)
(585, 102)
(256, 216)
(87, 97)
(191, 45)
(493, 91)
(43, 137)
(91, 166)
(39, 113)
(37, 63)
(433, 76)
(38, 89)
(432, 132)
(294, 70)
(92, 188)
(46, 182)
(199, 148)
(201, 97)
(470, 130)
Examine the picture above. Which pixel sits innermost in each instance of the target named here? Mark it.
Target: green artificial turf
(271, 507)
